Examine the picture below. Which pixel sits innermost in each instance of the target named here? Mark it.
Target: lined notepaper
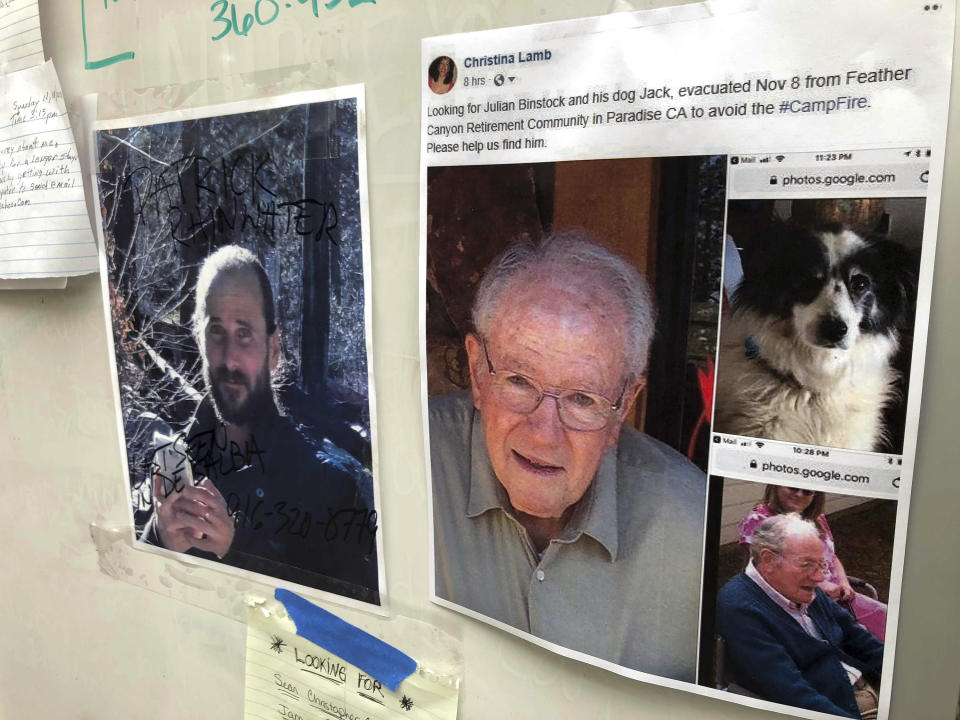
(290, 678)
(44, 228)
(20, 45)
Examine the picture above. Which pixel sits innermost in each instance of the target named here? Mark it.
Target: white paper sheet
(754, 110)
(44, 227)
(290, 677)
(20, 45)
(267, 211)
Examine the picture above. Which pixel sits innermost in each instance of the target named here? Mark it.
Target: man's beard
(257, 403)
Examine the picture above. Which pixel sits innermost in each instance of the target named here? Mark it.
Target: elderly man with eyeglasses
(550, 514)
(786, 640)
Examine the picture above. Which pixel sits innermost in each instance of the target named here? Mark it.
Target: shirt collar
(595, 515)
(788, 605)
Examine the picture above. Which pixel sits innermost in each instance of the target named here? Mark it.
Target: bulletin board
(109, 633)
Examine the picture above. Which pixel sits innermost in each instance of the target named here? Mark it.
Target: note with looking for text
(44, 228)
(289, 677)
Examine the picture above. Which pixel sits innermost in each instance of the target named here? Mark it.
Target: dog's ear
(895, 270)
(782, 264)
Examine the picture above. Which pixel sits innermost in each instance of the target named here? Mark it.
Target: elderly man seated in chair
(786, 639)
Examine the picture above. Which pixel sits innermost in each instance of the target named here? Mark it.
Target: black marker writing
(199, 200)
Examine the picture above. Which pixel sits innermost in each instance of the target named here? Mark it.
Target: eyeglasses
(577, 409)
(802, 491)
(808, 567)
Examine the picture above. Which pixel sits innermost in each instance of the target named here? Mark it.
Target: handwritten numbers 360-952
(228, 19)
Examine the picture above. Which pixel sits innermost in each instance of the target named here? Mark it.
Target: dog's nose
(832, 329)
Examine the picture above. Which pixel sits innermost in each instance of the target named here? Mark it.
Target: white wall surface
(79, 643)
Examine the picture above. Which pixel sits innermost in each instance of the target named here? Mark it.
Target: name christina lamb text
(522, 56)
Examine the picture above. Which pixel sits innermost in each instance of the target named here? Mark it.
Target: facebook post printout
(236, 276)
(671, 256)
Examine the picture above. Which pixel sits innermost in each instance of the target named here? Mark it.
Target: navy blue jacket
(771, 654)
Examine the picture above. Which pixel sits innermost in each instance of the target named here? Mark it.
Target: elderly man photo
(786, 640)
(257, 493)
(550, 514)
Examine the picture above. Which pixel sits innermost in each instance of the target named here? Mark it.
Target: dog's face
(834, 285)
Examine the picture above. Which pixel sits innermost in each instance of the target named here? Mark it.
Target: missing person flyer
(234, 280)
(676, 283)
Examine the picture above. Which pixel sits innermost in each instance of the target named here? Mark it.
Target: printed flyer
(676, 273)
(237, 269)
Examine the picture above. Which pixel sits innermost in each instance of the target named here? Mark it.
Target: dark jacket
(771, 654)
(297, 510)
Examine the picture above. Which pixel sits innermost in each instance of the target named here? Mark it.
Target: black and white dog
(806, 354)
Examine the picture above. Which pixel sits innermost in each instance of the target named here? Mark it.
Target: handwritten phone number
(228, 19)
(339, 525)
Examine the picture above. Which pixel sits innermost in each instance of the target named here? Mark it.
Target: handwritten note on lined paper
(20, 45)
(44, 228)
(290, 678)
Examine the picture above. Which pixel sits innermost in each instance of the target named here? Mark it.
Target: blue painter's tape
(376, 658)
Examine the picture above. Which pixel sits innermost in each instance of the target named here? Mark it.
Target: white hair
(574, 257)
(773, 533)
